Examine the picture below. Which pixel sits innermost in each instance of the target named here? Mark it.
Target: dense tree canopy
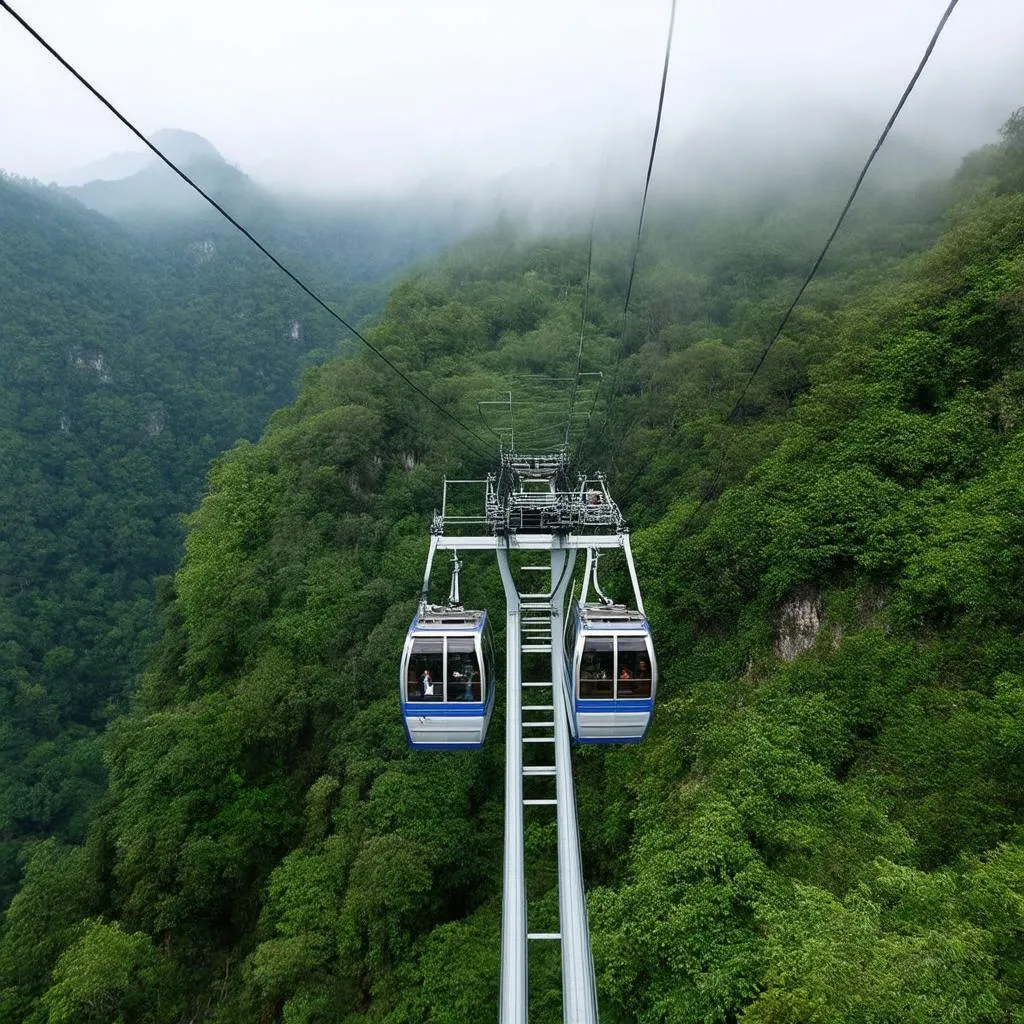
(821, 830)
(132, 355)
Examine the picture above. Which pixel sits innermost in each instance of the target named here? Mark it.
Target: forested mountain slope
(131, 356)
(824, 823)
(125, 372)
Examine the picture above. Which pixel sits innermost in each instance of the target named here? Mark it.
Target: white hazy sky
(379, 93)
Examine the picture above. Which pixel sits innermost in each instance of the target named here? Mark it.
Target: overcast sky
(379, 93)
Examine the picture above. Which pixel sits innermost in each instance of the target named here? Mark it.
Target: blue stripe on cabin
(450, 709)
(607, 704)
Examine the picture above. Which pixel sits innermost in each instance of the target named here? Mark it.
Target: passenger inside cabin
(463, 670)
(597, 668)
(634, 679)
(460, 686)
(426, 670)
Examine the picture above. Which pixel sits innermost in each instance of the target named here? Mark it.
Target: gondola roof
(615, 615)
(440, 618)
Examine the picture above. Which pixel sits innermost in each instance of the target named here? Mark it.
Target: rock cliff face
(797, 622)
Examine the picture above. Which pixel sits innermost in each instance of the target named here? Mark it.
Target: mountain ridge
(180, 145)
(154, 190)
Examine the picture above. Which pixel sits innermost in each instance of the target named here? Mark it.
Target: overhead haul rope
(846, 208)
(709, 491)
(639, 233)
(248, 234)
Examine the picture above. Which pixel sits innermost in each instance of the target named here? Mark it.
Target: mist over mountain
(109, 168)
(340, 242)
(776, 150)
(154, 190)
(182, 147)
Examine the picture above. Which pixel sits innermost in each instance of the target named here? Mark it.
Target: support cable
(639, 226)
(245, 231)
(846, 208)
(709, 491)
(650, 163)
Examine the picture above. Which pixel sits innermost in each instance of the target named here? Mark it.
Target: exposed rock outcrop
(797, 622)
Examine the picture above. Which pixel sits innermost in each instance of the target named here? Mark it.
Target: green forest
(208, 809)
(133, 353)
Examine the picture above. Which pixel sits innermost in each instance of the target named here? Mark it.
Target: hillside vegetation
(824, 823)
(132, 355)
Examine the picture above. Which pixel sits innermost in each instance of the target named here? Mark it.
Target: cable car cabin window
(426, 670)
(597, 667)
(463, 669)
(634, 668)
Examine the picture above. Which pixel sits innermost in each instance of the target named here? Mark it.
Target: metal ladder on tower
(535, 638)
(538, 718)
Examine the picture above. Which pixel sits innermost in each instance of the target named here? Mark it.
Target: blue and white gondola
(612, 673)
(447, 679)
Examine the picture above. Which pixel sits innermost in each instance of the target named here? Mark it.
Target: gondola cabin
(611, 672)
(447, 679)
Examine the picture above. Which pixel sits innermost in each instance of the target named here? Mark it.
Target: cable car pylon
(579, 989)
(534, 626)
(530, 506)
